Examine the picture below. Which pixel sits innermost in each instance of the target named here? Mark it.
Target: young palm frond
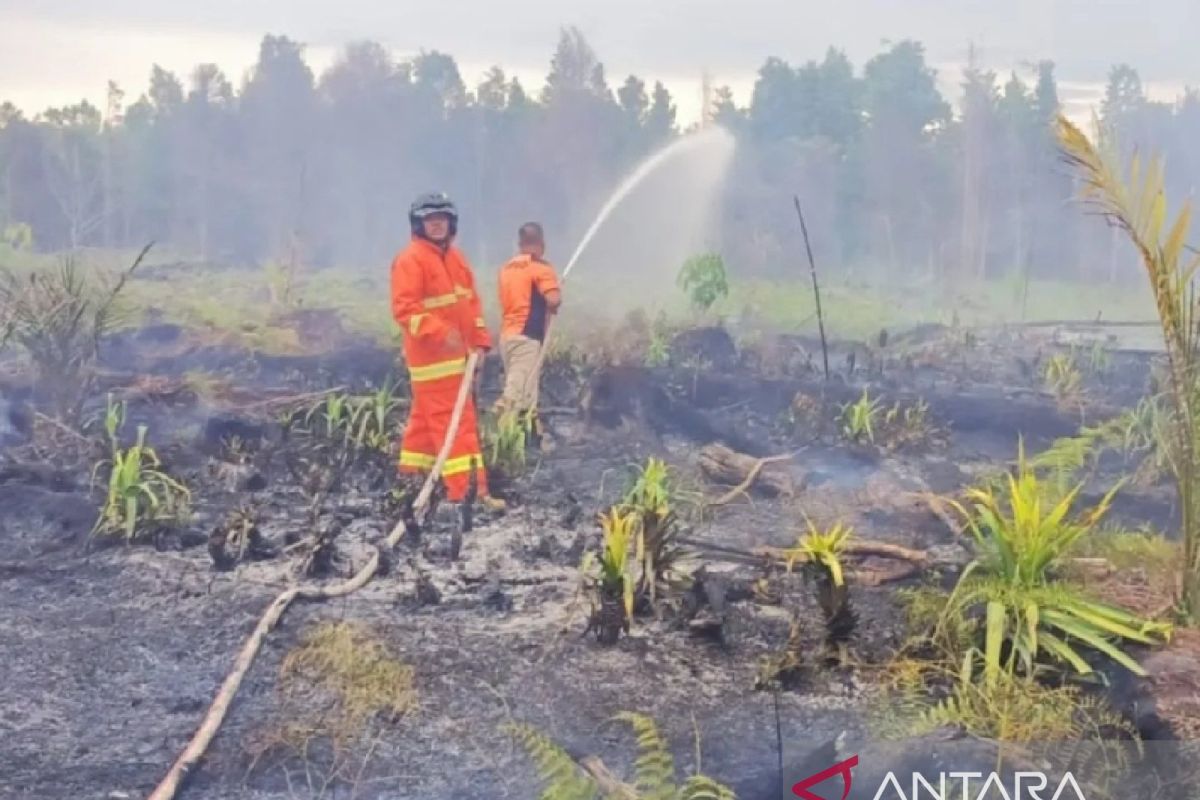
(821, 552)
(1023, 539)
(60, 318)
(652, 489)
(651, 499)
(610, 575)
(509, 442)
(823, 549)
(860, 418)
(614, 561)
(1062, 377)
(1135, 202)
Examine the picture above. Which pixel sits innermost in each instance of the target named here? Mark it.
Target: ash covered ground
(112, 652)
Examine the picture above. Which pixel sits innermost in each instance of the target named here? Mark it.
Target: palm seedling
(372, 417)
(820, 552)
(337, 412)
(907, 425)
(60, 317)
(1099, 360)
(1135, 202)
(651, 490)
(610, 575)
(1062, 376)
(654, 769)
(650, 499)
(1022, 539)
(509, 442)
(139, 492)
(334, 434)
(1139, 433)
(114, 420)
(859, 419)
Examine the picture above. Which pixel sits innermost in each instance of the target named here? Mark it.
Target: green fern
(655, 764)
(700, 787)
(654, 768)
(555, 767)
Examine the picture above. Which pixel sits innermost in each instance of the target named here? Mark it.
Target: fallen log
(878, 577)
(856, 547)
(726, 466)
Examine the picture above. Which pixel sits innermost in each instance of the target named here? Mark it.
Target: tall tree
(660, 118)
(1124, 99)
(580, 138)
(633, 100)
(372, 116)
(776, 109)
(207, 137)
(437, 74)
(74, 169)
(980, 106)
(1045, 95)
(1021, 141)
(16, 136)
(574, 69)
(837, 101)
(492, 92)
(278, 105)
(904, 113)
(725, 111)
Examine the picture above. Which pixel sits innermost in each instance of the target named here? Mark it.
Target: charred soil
(113, 651)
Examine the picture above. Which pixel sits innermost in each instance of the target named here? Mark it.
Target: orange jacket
(524, 283)
(433, 294)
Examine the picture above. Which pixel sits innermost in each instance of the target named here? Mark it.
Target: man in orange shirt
(436, 306)
(529, 294)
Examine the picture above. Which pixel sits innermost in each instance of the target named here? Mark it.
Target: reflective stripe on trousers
(438, 370)
(425, 432)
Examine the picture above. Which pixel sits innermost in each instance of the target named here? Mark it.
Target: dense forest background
(898, 182)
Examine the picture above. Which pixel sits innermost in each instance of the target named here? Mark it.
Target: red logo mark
(843, 768)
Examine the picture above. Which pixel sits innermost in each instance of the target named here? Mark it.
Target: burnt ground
(112, 653)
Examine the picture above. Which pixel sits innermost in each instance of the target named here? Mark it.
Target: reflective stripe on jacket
(433, 294)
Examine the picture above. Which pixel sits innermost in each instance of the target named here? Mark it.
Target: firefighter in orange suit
(436, 306)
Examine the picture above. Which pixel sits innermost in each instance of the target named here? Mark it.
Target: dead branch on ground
(724, 465)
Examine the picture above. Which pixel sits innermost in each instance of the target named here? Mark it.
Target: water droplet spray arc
(713, 143)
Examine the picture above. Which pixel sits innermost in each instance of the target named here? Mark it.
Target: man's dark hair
(530, 233)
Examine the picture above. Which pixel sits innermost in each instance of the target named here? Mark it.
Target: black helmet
(432, 203)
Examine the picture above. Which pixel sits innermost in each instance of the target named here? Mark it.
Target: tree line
(294, 166)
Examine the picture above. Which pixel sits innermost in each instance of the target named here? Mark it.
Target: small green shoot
(859, 419)
(139, 492)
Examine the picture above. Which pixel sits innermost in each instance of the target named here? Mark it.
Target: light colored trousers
(521, 372)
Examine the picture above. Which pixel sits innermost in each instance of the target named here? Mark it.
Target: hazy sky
(57, 51)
